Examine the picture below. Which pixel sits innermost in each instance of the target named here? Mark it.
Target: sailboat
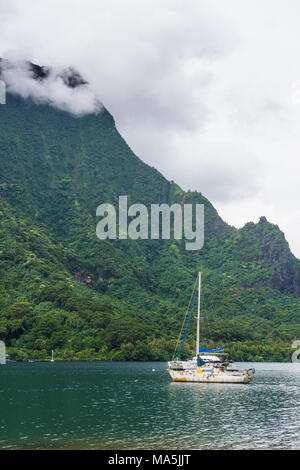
(52, 354)
(207, 365)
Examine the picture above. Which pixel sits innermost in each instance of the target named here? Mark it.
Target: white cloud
(145, 59)
(200, 89)
(52, 89)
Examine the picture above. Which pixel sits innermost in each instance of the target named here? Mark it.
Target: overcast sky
(208, 92)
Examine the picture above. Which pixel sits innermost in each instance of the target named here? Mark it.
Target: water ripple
(127, 406)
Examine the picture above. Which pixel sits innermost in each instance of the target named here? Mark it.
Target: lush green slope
(62, 288)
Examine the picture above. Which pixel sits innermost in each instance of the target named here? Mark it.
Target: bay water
(135, 405)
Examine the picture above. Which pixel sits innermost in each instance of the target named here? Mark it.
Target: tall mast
(198, 318)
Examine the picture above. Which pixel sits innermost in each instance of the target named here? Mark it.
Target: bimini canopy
(204, 350)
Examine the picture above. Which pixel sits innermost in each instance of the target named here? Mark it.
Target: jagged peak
(263, 220)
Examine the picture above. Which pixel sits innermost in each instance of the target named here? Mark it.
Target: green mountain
(62, 288)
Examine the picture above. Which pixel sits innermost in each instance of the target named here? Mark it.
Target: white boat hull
(215, 376)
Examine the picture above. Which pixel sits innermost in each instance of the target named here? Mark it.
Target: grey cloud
(224, 171)
(144, 60)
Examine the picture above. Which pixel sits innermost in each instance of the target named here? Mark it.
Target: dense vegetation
(62, 288)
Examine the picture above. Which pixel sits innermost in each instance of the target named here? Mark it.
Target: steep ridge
(62, 288)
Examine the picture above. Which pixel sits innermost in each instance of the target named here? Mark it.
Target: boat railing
(180, 365)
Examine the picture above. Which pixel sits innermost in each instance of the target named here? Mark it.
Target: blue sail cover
(203, 350)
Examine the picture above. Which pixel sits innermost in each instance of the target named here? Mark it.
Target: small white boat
(52, 356)
(206, 366)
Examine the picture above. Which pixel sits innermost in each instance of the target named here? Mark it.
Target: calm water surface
(130, 406)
